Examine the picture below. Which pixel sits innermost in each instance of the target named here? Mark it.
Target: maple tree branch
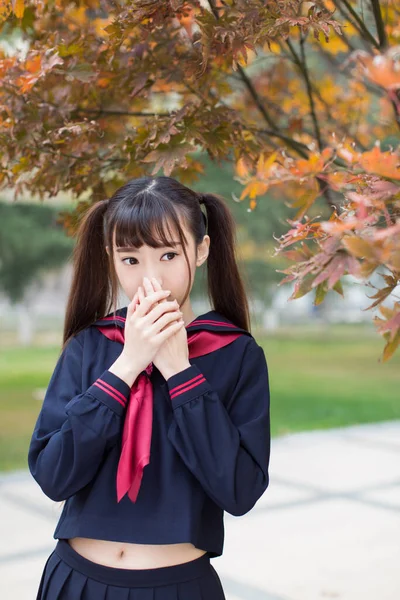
(360, 25)
(257, 100)
(312, 89)
(373, 89)
(248, 83)
(339, 126)
(370, 87)
(300, 148)
(302, 64)
(199, 95)
(97, 111)
(337, 161)
(325, 191)
(348, 18)
(125, 113)
(380, 27)
(395, 102)
(40, 149)
(253, 92)
(343, 36)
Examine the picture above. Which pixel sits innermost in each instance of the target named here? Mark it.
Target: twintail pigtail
(89, 294)
(226, 290)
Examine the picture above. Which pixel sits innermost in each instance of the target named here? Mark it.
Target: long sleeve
(75, 427)
(227, 448)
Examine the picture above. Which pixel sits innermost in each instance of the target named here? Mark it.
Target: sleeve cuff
(186, 385)
(111, 390)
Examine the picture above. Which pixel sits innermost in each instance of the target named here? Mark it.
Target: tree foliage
(31, 242)
(301, 97)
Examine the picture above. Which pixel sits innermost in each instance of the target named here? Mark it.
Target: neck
(188, 314)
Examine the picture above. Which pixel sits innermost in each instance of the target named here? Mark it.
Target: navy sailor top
(210, 444)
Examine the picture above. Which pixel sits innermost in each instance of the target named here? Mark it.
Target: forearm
(71, 437)
(65, 459)
(232, 472)
(227, 448)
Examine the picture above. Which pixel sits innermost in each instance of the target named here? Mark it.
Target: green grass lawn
(318, 379)
(329, 378)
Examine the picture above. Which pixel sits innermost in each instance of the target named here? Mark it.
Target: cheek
(180, 280)
(127, 282)
(180, 277)
(120, 272)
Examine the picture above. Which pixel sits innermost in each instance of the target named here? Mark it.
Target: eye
(173, 253)
(132, 258)
(128, 258)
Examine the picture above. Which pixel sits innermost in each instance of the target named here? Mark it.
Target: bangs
(147, 221)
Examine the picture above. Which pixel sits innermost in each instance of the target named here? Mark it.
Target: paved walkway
(328, 527)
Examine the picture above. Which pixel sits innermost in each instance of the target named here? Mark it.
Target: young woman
(155, 420)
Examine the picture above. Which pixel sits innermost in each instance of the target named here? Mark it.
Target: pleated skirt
(68, 575)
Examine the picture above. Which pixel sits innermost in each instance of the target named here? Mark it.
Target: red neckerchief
(136, 436)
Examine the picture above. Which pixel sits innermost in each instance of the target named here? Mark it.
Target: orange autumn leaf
(6, 64)
(187, 19)
(382, 69)
(33, 64)
(242, 168)
(386, 164)
(103, 82)
(348, 153)
(253, 204)
(5, 9)
(313, 165)
(264, 164)
(360, 248)
(254, 189)
(79, 15)
(19, 8)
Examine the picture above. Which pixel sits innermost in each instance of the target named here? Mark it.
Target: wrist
(177, 369)
(125, 369)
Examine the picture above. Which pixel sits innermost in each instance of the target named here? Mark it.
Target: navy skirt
(68, 575)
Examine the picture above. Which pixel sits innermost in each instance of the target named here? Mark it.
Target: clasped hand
(173, 355)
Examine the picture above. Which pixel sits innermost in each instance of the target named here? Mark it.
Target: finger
(141, 295)
(148, 288)
(157, 287)
(132, 304)
(170, 330)
(135, 301)
(156, 284)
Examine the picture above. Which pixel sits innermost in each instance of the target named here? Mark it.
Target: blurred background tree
(31, 243)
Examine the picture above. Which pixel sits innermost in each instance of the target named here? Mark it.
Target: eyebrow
(131, 249)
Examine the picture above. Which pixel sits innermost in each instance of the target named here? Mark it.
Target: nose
(151, 277)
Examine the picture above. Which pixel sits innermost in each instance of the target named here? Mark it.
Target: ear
(203, 250)
(108, 250)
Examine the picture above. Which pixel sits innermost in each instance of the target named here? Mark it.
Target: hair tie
(203, 215)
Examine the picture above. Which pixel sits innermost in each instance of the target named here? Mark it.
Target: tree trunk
(25, 324)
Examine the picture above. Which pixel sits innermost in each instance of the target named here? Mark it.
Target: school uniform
(210, 449)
